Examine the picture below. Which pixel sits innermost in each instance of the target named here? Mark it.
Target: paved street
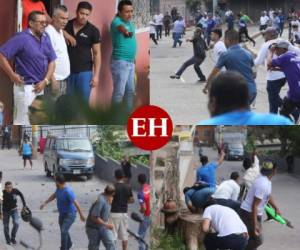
(36, 187)
(285, 191)
(183, 99)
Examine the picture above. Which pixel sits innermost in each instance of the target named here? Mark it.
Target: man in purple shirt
(34, 60)
(289, 63)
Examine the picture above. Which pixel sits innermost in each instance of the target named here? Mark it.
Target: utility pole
(215, 5)
(34, 139)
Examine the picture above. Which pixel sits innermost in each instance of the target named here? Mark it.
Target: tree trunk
(189, 226)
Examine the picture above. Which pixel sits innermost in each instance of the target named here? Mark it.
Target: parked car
(72, 156)
(234, 151)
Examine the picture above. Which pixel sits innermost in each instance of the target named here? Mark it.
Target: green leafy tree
(109, 145)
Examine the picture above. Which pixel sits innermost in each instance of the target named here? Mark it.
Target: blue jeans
(79, 84)
(65, 222)
(273, 88)
(95, 236)
(15, 218)
(192, 61)
(176, 39)
(144, 225)
(123, 79)
(199, 197)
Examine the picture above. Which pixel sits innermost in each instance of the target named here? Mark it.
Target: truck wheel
(48, 173)
(89, 176)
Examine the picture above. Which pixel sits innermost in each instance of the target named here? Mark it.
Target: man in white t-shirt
(229, 189)
(55, 32)
(264, 19)
(219, 46)
(158, 19)
(228, 192)
(253, 206)
(295, 34)
(230, 231)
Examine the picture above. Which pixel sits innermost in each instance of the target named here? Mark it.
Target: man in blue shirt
(67, 206)
(205, 185)
(211, 23)
(207, 172)
(235, 59)
(178, 30)
(228, 104)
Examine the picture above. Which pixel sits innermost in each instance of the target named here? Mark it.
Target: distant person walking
(167, 23)
(26, 150)
(178, 30)
(6, 134)
(158, 19)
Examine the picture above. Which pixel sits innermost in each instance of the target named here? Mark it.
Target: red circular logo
(149, 127)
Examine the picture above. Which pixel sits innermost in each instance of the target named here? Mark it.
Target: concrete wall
(105, 169)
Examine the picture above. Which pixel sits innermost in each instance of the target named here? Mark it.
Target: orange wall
(102, 15)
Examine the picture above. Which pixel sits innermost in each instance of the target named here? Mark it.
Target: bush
(109, 145)
(163, 241)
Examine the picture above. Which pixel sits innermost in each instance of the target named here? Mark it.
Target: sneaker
(13, 241)
(175, 77)
(202, 80)
(180, 43)
(8, 243)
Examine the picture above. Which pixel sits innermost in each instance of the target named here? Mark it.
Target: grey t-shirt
(100, 209)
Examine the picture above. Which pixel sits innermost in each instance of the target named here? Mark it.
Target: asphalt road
(36, 188)
(183, 99)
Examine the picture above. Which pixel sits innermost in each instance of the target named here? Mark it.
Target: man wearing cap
(98, 226)
(275, 79)
(257, 198)
(34, 64)
(289, 63)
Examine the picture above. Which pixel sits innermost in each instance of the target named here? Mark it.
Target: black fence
(68, 130)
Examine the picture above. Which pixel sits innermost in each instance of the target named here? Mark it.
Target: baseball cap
(282, 44)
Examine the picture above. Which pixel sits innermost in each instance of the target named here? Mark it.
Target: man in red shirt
(144, 200)
(32, 5)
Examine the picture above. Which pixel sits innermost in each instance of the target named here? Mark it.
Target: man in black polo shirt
(85, 58)
(123, 196)
(10, 209)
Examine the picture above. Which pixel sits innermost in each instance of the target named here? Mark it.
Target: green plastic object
(271, 212)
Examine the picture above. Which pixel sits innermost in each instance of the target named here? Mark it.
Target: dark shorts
(27, 157)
